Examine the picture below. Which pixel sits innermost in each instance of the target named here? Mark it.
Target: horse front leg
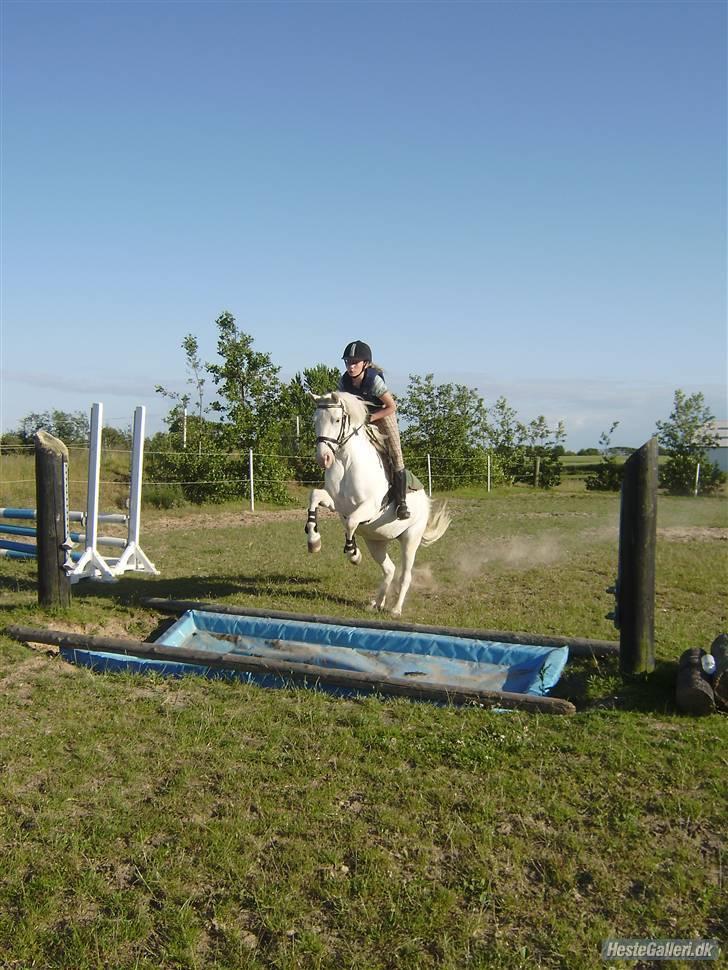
(366, 511)
(318, 496)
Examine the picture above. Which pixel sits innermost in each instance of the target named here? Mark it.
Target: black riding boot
(400, 494)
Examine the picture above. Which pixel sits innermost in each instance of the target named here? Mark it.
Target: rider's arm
(389, 406)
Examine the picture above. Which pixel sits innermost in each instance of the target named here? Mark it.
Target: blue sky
(526, 198)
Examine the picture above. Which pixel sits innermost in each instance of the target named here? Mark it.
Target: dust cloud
(422, 578)
(517, 552)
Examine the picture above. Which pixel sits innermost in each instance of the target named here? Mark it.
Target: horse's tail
(437, 525)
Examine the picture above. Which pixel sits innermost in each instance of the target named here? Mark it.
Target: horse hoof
(314, 547)
(356, 558)
(396, 612)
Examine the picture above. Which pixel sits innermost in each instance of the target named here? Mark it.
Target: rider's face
(354, 368)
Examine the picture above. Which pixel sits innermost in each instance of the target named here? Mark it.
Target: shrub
(163, 496)
(677, 476)
(607, 476)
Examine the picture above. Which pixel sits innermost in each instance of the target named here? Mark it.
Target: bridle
(334, 443)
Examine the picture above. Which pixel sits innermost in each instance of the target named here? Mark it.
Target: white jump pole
(94, 474)
(91, 562)
(132, 556)
(135, 489)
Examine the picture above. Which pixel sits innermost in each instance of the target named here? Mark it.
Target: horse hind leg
(378, 551)
(409, 544)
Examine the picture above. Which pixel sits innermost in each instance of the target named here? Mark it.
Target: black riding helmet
(358, 350)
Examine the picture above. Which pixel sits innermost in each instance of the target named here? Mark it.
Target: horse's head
(330, 420)
(338, 417)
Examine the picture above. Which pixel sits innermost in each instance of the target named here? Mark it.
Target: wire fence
(243, 469)
(245, 473)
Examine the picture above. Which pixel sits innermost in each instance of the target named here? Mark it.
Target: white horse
(357, 487)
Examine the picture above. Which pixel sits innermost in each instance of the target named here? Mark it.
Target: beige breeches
(389, 427)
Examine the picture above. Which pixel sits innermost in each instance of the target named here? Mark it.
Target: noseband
(334, 443)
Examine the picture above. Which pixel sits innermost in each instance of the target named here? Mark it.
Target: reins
(343, 436)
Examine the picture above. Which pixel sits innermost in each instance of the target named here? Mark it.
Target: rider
(366, 380)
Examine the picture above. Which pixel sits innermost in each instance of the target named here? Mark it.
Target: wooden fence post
(51, 489)
(636, 579)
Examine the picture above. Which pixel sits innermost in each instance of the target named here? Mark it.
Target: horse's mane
(358, 413)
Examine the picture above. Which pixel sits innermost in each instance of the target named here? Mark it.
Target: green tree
(607, 477)
(72, 427)
(540, 463)
(249, 403)
(195, 430)
(298, 438)
(115, 439)
(505, 432)
(248, 397)
(448, 422)
(526, 453)
(247, 384)
(686, 436)
(506, 437)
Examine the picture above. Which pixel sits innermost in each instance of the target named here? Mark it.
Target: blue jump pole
(17, 513)
(18, 530)
(26, 530)
(18, 547)
(12, 554)
(23, 550)
(120, 518)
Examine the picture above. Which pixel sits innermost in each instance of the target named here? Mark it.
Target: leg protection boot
(400, 493)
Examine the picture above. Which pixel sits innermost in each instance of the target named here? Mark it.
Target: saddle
(379, 440)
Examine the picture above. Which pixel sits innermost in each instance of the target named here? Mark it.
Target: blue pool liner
(448, 662)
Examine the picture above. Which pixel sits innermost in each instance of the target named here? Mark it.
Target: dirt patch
(547, 515)
(17, 676)
(694, 533)
(225, 520)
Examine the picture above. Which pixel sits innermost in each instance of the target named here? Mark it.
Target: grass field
(149, 823)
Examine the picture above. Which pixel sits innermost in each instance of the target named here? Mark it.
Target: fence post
(252, 483)
(429, 475)
(488, 471)
(636, 578)
(51, 492)
(536, 471)
(697, 479)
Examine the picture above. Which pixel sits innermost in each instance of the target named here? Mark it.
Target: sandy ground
(223, 520)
